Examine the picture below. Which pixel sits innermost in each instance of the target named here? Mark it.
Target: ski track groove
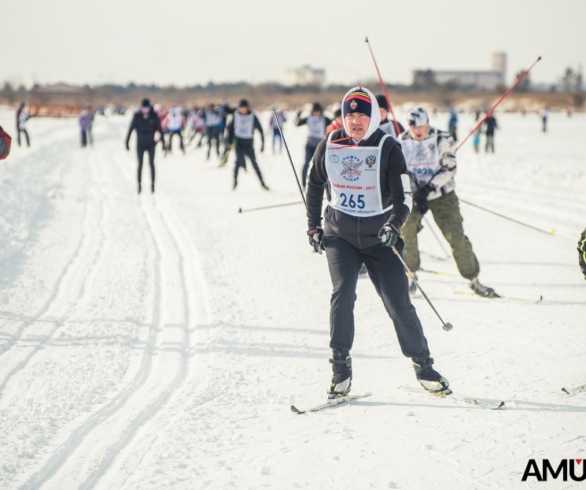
(70, 271)
(128, 456)
(106, 450)
(60, 455)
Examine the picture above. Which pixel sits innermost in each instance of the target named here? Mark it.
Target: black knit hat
(317, 107)
(358, 101)
(243, 103)
(338, 112)
(145, 103)
(382, 102)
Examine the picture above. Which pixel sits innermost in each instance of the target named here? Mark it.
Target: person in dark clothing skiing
(212, 119)
(22, 116)
(363, 171)
(491, 125)
(386, 124)
(146, 123)
(240, 132)
(582, 252)
(317, 124)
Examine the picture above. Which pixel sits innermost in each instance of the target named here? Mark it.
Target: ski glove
(389, 235)
(315, 239)
(420, 198)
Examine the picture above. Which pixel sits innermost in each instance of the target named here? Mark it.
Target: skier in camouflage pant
(431, 163)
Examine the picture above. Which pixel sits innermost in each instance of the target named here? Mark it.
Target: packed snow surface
(152, 342)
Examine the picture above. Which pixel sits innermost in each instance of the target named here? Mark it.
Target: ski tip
(294, 409)
(552, 232)
(540, 298)
(500, 405)
(448, 326)
(565, 391)
(239, 210)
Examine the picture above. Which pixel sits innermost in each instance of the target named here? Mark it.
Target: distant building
(305, 76)
(478, 79)
(60, 100)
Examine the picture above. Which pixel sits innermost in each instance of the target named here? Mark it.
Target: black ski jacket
(145, 127)
(360, 232)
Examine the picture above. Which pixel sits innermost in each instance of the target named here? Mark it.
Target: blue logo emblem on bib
(334, 159)
(351, 165)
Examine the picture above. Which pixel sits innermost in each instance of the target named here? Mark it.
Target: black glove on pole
(389, 235)
(315, 239)
(420, 198)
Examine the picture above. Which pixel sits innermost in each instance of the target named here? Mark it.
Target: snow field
(153, 342)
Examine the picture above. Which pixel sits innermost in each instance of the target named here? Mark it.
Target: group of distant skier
(152, 124)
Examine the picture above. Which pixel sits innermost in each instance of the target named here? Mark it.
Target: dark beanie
(338, 112)
(358, 101)
(382, 102)
(317, 107)
(145, 103)
(243, 103)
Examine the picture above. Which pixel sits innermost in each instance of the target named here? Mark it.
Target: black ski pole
(289, 155)
(240, 210)
(507, 218)
(446, 326)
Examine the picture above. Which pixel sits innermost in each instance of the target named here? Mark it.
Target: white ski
(450, 394)
(330, 403)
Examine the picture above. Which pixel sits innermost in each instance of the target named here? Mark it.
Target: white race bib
(213, 118)
(354, 175)
(422, 158)
(243, 126)
(317, 127)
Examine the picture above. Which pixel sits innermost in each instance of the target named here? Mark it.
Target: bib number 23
(350, 202)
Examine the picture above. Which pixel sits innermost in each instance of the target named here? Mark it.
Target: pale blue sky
(187, 42)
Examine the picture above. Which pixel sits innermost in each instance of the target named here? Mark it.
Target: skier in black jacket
(240, 133)
(146, 123)
(364, 173)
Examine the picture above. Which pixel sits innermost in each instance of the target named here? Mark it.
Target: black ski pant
(390, 281)
(241, 153)
(309, 151)
(28, 143)
(173, 133)
(86, 137)
(213, 133)
(150, 149)
(489, 143)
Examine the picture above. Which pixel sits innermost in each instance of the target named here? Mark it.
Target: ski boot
(412, 285)
(429, 378)
(342, 378)
(482, 290)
